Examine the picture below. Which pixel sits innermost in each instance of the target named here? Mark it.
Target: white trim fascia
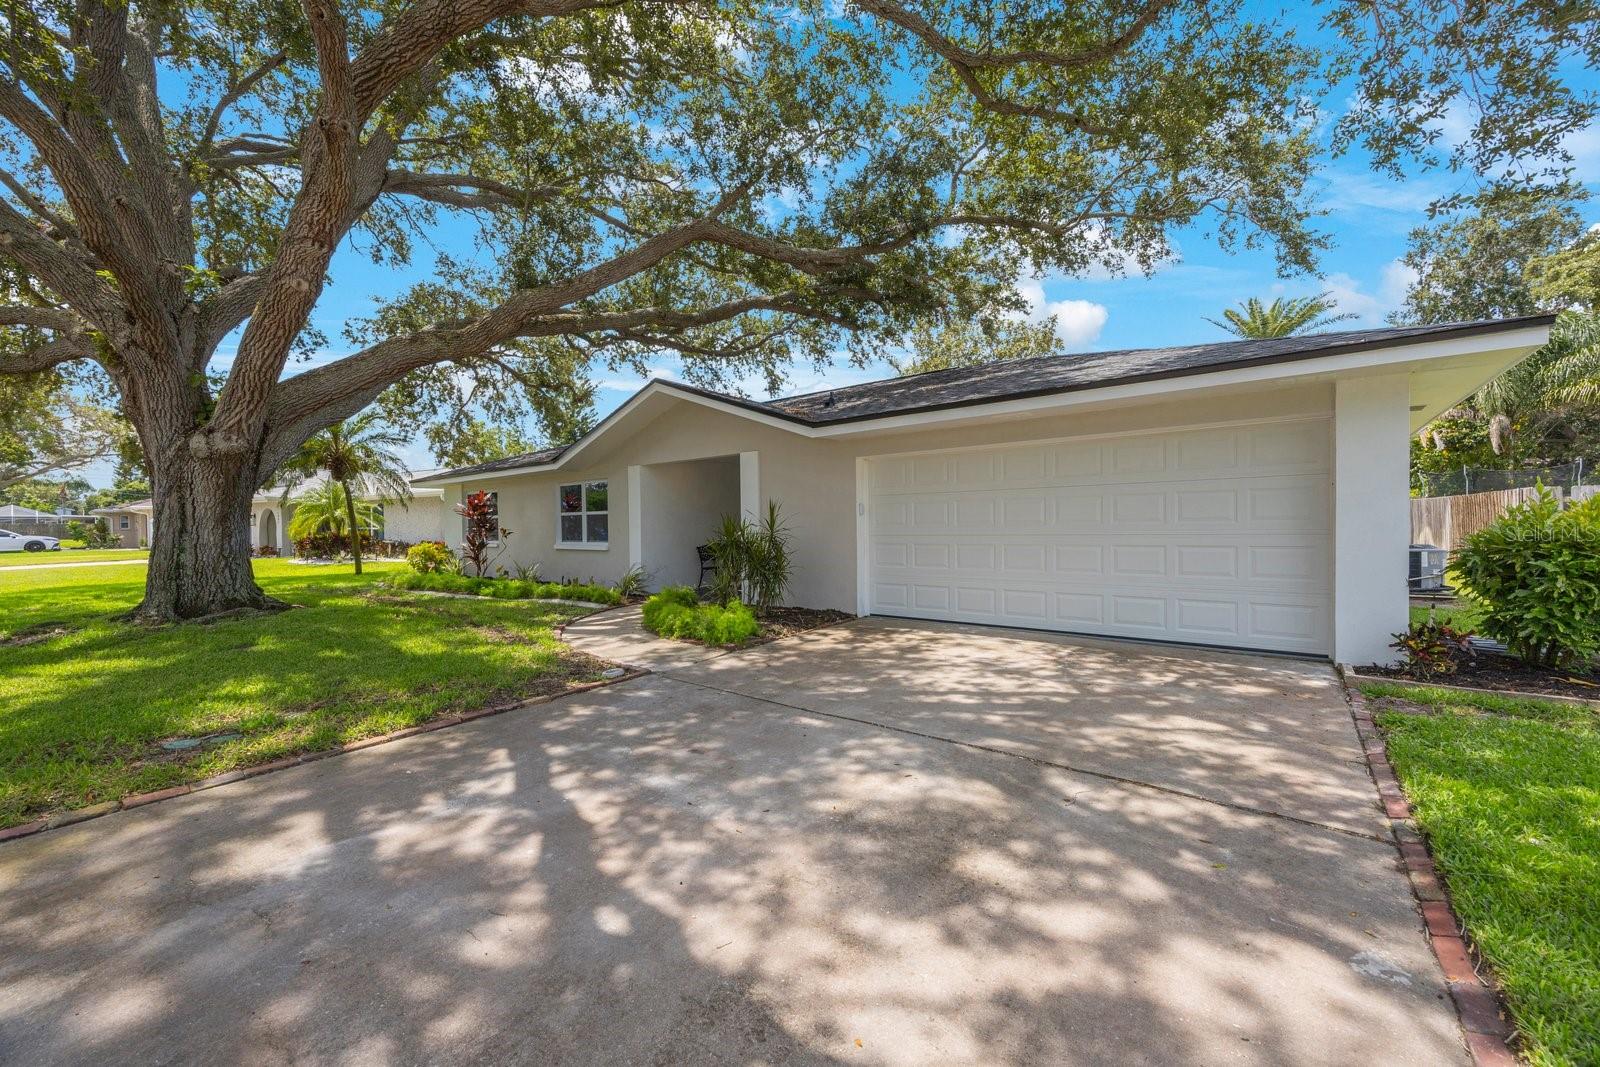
(863, 542)
(617, 416)
(1526, 337)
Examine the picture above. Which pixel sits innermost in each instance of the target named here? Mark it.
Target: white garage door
(1218, 536)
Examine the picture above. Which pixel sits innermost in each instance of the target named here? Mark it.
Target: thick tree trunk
(200, 543)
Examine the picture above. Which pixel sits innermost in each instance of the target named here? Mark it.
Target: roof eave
(1528, 332)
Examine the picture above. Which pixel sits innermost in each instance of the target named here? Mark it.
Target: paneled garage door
(1216, 536)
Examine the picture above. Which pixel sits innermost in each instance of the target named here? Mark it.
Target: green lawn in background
(66, 557)
(1460, 615)
(84, 700)
(1508, 791)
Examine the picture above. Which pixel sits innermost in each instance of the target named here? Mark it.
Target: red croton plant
(483, 532)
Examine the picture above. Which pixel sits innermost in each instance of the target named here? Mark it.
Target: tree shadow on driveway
(658, 873)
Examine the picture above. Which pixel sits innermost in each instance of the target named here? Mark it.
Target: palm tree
(1543, 391)
(359, 456)
(1283, 317)
(328, 508)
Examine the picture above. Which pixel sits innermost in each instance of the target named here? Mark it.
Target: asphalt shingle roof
(1046, 375)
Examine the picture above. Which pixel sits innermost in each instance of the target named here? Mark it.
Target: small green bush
(431, 557)
(673, 612)
(632, 583)
(1432, 647)
(503, 588)
(1535, 575)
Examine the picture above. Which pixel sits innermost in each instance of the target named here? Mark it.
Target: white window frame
(583, 515)
(123, 522)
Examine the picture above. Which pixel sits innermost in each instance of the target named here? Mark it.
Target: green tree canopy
(987, 339)
(1475, 265)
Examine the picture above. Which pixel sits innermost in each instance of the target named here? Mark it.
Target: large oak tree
(739, 182)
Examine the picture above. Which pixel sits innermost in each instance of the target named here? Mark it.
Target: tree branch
(236, 92)
(447, 189)
(46, 356)
(966, 63)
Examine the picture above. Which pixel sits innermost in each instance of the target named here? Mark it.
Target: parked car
(15, 542)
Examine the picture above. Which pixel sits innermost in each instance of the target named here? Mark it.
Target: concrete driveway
(879, 843)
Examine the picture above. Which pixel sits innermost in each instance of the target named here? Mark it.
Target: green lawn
(1461, 615)
(83, 708)
(1508, 791)
(66, 556)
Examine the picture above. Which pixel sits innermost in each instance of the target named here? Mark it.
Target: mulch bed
(782, 622)
(1490, 670)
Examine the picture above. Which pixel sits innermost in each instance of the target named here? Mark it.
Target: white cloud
(1371, 308)
(1078, 322)
(1356, 192)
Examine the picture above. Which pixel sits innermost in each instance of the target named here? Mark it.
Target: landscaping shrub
(1432, 647)
(484, 538)
(431, 557)
(1535, 575)
(674, 612)
(632, 583)
(327, 545)
(753, 560)
(502, 588)
(99, 535)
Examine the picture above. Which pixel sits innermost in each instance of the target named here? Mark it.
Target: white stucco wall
(422, 519)
(1372, 516)
(683, 505)
(815, 479)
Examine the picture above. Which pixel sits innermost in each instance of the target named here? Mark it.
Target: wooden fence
(1446, 521)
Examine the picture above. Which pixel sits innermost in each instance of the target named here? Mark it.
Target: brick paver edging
(139, 800)
(1478, 1004)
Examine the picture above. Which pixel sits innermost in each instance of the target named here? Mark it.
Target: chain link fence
(1487, 479)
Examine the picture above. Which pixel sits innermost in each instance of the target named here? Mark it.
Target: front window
(585, 514)
(122, 522)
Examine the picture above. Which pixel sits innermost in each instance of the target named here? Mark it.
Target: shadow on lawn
(657, 873)
(82, 709)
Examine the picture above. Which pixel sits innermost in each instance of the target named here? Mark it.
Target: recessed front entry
(1220, 535)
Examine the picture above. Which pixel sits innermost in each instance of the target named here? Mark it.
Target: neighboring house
(1248, 494)
(420, 519)
(129, 523)
(24, 520)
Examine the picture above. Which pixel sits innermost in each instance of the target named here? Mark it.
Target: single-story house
(129, 523)
(422, 518)
(1248, 494)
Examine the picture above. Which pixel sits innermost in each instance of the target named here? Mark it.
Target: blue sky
(1366, 215)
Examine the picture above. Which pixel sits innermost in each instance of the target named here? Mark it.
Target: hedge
(503, 588)
(675, 612)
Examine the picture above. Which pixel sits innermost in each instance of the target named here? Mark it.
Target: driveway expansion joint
(1036, 761)
(1479, 1006)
